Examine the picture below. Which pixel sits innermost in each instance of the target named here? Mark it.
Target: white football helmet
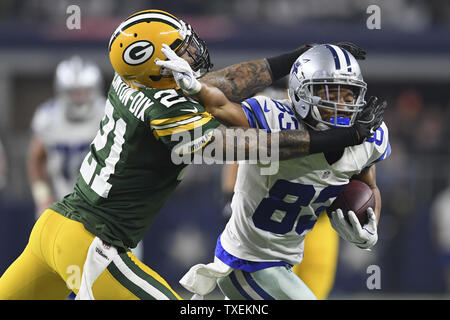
(78, 87)
(332, 71)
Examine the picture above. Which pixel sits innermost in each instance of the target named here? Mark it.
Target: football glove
(363, 237)
(370, 118)
(182, 71)
(357, 52)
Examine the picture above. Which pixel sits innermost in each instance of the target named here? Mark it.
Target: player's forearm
(251, 144)
(369, 177)
(211, 98)
(245, 79)
(36, 169)
(236, 144)
(225, 111)
(39, 183)
(241, 80)
(37, 173)
(298, 143)
(377, 208)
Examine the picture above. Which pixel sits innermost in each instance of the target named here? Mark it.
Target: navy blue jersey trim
(259, 113)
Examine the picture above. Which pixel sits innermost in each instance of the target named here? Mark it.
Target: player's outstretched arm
(212, 98)
(215, 102)
(287, 144)
(38, 175)
(250, 143)
(243, 80)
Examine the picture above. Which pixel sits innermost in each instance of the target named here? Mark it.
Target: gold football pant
(51, 266)
(318, 267)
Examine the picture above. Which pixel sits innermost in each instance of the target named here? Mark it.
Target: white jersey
(272, 214)
(66, 142)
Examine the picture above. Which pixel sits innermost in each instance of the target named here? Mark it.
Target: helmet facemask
(193, 50)
(78, 103)
(334, 101)
(326, 87)
(78, 87)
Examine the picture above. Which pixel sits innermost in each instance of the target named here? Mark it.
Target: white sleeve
(257, 113)
(41, 118)
(272, 115)
(42, 121)
(378, 145)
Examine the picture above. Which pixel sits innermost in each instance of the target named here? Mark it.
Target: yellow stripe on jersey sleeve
(180, 126)
(162, 122)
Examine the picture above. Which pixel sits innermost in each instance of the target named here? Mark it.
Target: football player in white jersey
(271, 214)
(62, 130)
(321, 251)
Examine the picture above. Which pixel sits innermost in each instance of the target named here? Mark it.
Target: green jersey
(129, 172)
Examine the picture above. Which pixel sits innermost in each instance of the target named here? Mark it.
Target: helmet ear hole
(155, 78)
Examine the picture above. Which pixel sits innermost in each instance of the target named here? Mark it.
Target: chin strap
(322, 126)
(315, 114)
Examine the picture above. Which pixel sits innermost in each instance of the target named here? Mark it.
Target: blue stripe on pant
(247, 287)
(238, 286)
(274, 283)
(256, 287)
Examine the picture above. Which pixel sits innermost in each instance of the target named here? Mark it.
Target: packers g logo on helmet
(138, 40)
(138, 52)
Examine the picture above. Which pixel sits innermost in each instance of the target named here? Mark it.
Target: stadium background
(408, 63)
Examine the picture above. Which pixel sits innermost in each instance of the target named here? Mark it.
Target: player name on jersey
(129, 162)
(133, 99)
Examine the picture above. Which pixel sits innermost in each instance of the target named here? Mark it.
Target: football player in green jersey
(82, 242)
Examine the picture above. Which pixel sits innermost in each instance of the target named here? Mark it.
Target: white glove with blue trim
(364, 237)
(182, 71)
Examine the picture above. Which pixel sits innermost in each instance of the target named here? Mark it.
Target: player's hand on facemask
(182, 71)
(370, 118)
(363, 237)
(358, 52)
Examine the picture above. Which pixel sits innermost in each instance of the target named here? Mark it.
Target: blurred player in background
(272, 214)
(440, 225)
(318, 267)
(128, 173)
(63, 129)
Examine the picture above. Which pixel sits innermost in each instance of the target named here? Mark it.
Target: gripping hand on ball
(363, 237)
(182, 71)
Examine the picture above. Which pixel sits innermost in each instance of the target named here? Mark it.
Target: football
(357, 197)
